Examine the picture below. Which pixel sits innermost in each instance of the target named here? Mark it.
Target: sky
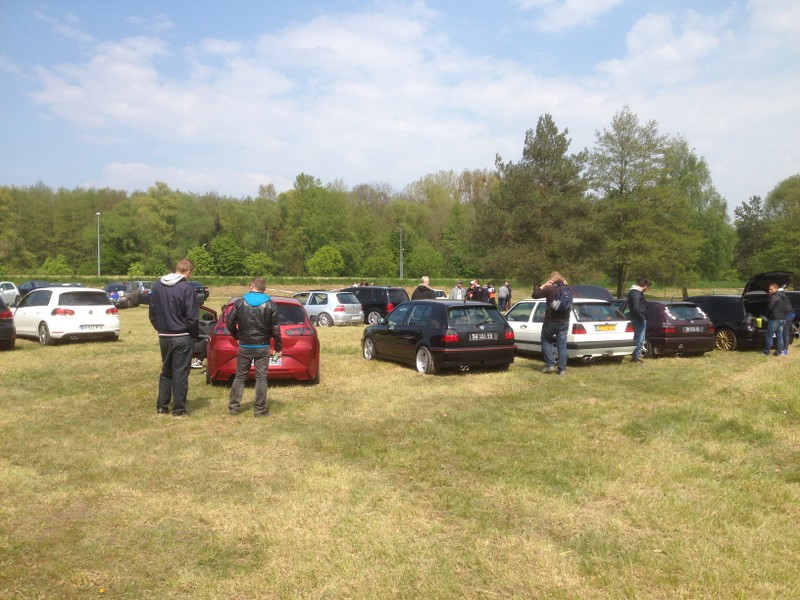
(227, 96)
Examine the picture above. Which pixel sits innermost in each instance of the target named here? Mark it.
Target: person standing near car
(424, 291)
(502, 296)
(637, 306)
(458, 292)
(173, 314)
(778, 306)
(253, 321)
(555, 325)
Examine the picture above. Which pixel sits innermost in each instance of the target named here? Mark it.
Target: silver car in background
(332, 308)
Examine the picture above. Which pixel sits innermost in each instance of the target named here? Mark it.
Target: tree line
(639, 202)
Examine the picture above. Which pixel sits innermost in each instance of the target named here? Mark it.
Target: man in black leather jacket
(253, 321)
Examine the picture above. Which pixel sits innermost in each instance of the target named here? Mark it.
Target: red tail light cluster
(112, 311)
(629, 328)
(450, 337)
(6, 314)
(389, 308)
(509, 334)
(62, 312)
(578, 328)
(339, 308)
(669, 329)
(298, 331)
(711, 329)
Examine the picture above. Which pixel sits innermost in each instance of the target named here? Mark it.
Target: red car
(299, 358)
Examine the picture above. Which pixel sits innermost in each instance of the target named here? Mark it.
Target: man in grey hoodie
(253, 321)
(173, 314)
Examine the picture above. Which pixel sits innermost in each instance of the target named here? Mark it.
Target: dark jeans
(639, 331)
(774, 328)
(243, 360)
(176, 355)
(555, 331)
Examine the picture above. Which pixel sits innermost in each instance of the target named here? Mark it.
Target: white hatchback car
(9, 292)
(597, 329)
(327, 309)
(57, 313)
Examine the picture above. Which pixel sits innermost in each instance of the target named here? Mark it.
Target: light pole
(401, 253)
(98, 244)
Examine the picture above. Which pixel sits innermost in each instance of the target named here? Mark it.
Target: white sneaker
(196, 364)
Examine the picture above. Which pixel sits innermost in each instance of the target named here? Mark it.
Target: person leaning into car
(555, 325)
(637, 306)
(174, 315)
(253, 321)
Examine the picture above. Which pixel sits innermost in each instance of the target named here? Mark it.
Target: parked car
(123, 295)
(592, 291)
(676, 327)
(441, 295)
(434, 335)
(378, 301)
(596, 329)
(201, 290)
(8, 333)
(29, 286)
(755, 297)
(9, 292)
(734, 327)
(299, 357)
(327, 309)
(58, 313)
(144, 288)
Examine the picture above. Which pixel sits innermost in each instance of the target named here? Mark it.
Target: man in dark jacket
(253, 321)
(637, 307)
(778, 307)
(555, 325)
(423, 291)
(173, 314)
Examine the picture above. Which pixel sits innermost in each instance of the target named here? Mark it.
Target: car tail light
(578, 328)
(298, 331)
(669, 329)
(389, 308)
(6, 314)
(62, 312)
(450, 337)
(711, 329)
(112, 311)
(509, 334)
(629, 328)
(339, 308)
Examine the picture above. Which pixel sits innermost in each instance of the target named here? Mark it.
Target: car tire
(315, 381)
(373, 317)
(368, 349)
(325, 320)
(45, 339)
(424, 361)
(726, 339)
(647, 349)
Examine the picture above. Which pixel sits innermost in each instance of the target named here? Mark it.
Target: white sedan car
(58, 313)
(9, 292)
(596, 329)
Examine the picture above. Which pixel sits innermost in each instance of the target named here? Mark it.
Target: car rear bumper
(290, 368)
(482, 356)
(675, 345)
(600, 348)
(345, 319)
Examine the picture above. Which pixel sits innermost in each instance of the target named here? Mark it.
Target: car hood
(760, 282)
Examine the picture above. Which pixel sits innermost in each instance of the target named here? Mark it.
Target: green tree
(424, 260)
(203, 261)
(257, 263)
(136, 269)
(228, 255)
(326, 262)
(751, 228)
(782, 235)
(56, 266)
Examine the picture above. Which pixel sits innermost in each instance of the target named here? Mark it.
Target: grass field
(679, 478)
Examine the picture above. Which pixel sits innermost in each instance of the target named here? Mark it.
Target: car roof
(575, 300)
(58, 288)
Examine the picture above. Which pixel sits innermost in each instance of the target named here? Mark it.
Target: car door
(31, 311)
(526, 318)
(316, 304)
(411, 331)
(386, 337)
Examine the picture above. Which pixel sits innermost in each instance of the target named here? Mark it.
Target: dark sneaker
(261, 414)
(562, 372)
(181, 415)
(162, 411)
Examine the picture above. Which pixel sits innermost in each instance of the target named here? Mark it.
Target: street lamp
(98, 244)
(401, 253)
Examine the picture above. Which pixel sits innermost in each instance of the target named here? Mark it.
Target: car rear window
(685, 312)
(397, 296)
(347, 298)
(83, 299)
(291, 314)
(473, 315)
(597, 312)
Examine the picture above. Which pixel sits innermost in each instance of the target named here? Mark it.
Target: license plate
(85, 327)
(273, 362)
(693, 329)
(605, 327)
(482, 336)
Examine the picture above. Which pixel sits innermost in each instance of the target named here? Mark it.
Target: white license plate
(273, 362)
(483, 336)
(693, 329)
(85, 327)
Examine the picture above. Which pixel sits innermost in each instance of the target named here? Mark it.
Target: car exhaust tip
(588, 359)
(464, 368)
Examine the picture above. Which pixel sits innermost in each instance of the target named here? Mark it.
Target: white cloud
(562, 15)
(66, 28)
